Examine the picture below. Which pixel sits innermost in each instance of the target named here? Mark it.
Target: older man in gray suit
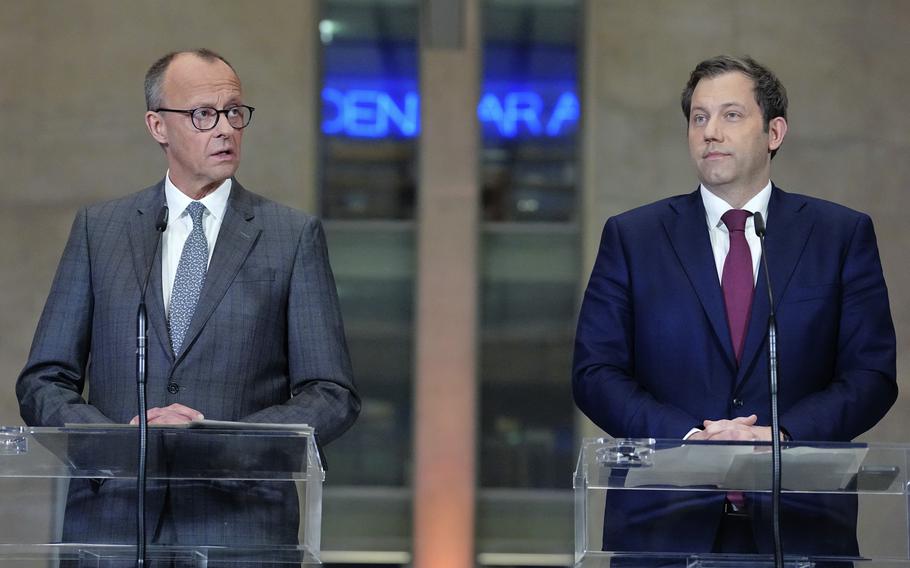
(243, 314)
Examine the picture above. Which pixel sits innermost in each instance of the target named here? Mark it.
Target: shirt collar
(715, 207)
(215, 202)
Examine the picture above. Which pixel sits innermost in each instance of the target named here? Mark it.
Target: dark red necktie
(737, 281)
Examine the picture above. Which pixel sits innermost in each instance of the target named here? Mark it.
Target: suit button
(737, 403)
(173, 388)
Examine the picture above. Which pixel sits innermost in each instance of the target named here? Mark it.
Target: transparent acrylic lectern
(229, 495)
(648, 502)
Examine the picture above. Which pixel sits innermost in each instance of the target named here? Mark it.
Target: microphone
(759, 227)
(141, 316)
(161, 223)
(760, 231)
(160, 226)
(141, 368)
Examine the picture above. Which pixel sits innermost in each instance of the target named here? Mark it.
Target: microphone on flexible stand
(141, 367)
(772, 384)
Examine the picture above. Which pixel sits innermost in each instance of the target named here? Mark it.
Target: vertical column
(590, 215)
(310, 65)
(447, 271)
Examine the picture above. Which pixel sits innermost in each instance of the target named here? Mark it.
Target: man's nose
(223, 128)
(713, 130)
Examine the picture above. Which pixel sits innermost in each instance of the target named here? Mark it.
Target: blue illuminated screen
(372, 92)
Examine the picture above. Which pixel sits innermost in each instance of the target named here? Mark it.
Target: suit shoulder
(273, 213)
(829, 210)
(653, 212)
(122, 206)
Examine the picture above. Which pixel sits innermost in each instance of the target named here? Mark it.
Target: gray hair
(154, 77)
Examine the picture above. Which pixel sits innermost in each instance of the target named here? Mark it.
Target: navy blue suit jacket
(653, 354)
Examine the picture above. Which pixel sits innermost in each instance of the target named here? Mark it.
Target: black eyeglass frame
(218, 114)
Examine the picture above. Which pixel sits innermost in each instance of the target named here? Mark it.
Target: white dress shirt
(180, 224)
(715, 207)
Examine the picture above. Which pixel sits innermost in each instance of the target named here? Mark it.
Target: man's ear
(777, 129)
(156, 127)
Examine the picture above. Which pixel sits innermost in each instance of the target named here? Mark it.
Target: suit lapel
(789, 225)
(236, 238)
(688, 233)
(143, 240)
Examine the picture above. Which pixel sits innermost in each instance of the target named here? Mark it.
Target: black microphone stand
(772, 383)
(141, 368)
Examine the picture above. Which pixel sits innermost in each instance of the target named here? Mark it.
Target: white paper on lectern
(686, 466)
(230, 425)
(802, 469)
(222, 424)
(746, 467)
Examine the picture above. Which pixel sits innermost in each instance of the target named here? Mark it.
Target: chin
(223, 172)
(713, 178)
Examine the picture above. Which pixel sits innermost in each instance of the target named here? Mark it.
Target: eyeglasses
(206, 118)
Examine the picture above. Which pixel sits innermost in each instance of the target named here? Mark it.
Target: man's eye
(205, 112)
(733, 115)
(698, 119)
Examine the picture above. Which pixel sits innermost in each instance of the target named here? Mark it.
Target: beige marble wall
(71, 108)
(844, 66)
(71, 116)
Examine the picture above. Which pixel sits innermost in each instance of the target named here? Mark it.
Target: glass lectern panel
(229, 494)
(649, 502)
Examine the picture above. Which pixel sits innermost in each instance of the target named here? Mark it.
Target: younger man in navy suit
(671, 339)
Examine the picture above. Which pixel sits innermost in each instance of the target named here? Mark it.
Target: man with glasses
(244, 321)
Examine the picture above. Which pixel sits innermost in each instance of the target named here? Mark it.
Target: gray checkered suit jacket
(266, 344)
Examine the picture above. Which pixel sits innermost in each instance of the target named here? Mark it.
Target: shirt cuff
(692, 431)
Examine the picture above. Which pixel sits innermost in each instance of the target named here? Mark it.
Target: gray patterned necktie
(189, 278)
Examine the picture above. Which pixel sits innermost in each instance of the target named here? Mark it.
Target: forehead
(733, 87)
(191, 79)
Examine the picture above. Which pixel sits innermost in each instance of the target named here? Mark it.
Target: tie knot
(735, 219)
(196, 209)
